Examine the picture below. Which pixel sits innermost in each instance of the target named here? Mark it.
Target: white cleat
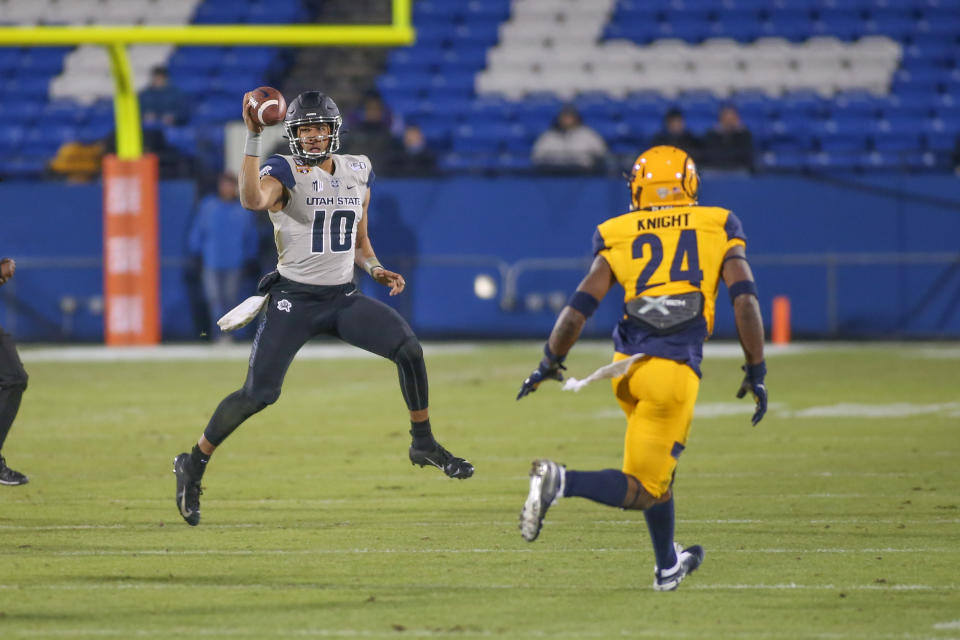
(546, 481)
(687, 562)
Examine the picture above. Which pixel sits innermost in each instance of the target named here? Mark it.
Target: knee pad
(262, 397)
(408, 351)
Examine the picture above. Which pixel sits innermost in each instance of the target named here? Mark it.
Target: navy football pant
(13, 382)
(297, 312)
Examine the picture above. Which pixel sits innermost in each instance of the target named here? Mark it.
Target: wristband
(253, 145)
(756, 372)
(553, 358)
(583, 302)
(370, 264)
(744, 286)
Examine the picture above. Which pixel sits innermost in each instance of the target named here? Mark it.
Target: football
(266, 106)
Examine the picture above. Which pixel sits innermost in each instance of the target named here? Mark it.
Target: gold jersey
(668, 251)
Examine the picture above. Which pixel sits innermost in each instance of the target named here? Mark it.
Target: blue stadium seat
(221, 13)
(11, 137)
(795, 25)
(931, 51)
(23, 167)
(689, 30)
(786, 160)
(191, 83)
(47, 136)
(9, 58)
(41, 61)
(470, 139)
(743, 26)
(250, 58)
(896, 28)
(33, 87)
(65, 112)
(189, 60)
(843, 25)
(945, 25)
(898, 141)
(94, 131)
(490, 108)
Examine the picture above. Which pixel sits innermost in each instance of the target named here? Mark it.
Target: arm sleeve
(278, 167)
(599, 244)
(735, 234)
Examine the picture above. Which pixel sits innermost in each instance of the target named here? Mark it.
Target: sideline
(241, 351)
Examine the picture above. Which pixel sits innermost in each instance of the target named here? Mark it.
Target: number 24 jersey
(668, 251)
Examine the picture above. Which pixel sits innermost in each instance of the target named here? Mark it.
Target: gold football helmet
(663, 176)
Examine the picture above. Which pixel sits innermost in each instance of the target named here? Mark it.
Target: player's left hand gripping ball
(544, 371)
(753, 382)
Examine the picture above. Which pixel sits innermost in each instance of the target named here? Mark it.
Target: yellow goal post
(117, 38)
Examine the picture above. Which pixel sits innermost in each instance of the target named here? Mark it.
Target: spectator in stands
(676, 134)
(569, 146)
(224, 235)
(370, 132)
(78, 160)
(412, 156)
(161, 103)
(728, 145)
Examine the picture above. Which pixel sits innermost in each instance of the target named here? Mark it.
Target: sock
(422, 435)
(606, 487)
(198, 462)
(660, 523)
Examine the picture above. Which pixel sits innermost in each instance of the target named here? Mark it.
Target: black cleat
(10, 477)
(188, 490)
(442, 459)
(687, 562)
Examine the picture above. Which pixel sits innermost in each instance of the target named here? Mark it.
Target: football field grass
(837, 518)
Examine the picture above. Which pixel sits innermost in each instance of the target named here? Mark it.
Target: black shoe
(188, 490)
(10, 477)
(442, 459)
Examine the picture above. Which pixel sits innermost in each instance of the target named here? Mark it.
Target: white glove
(243, 313)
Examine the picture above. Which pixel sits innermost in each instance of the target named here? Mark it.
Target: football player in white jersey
(318, 201)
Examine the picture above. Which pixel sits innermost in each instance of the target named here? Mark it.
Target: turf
(820, 523)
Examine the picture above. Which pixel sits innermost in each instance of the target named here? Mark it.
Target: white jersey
(317, 229)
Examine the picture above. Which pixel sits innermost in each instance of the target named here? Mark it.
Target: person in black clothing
(13, 382)
(413, 157)
(676, 134)
(729, 144)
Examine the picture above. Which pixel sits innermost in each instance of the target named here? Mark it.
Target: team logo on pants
(284, 305)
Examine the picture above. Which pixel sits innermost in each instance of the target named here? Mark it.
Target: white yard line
(133, 584)
(332, 351)
(538, 550)
(495, 523)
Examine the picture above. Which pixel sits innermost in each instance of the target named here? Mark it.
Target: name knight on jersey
(678, 220)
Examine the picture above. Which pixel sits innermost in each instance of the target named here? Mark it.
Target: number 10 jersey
(316, 230)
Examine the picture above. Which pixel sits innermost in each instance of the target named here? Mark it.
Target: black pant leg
(378, 328)
(13, 382)
(283, 329)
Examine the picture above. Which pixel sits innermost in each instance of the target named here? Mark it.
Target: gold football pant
(657, 396)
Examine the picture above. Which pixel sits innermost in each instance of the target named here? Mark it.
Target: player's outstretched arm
(738, 277)
(256, 193)
(366, 259)
(569, 324)
(7, 267)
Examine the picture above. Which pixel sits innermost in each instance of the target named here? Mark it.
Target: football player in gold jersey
(668, 253)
